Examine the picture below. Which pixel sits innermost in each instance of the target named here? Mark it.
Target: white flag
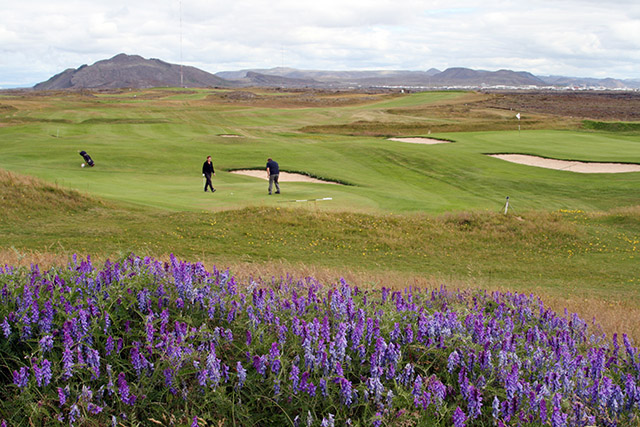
(518, 116)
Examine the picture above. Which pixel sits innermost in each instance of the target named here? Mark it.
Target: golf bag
(87, 158)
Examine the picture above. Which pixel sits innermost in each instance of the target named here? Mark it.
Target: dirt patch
(230, 135)
(568, 165)
(419, 140)
(283, 177)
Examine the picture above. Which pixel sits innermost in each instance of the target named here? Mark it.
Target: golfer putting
(273, 172)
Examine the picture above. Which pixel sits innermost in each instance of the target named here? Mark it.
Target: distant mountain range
(123, 71)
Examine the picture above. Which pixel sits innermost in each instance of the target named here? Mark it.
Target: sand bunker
(568, 165)
(230, 135)
(283, 177)
(418, 140)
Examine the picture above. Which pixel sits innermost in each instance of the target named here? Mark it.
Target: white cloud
(573, 37)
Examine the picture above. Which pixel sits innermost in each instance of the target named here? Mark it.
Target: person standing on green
(273, 172)
(207, 171)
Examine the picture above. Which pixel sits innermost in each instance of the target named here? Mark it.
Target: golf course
(431, 210)
(382, 213)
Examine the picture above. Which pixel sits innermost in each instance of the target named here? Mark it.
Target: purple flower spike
(6, 329)
(123, 388)
(242, 375)
(459, 418)
(20, 378)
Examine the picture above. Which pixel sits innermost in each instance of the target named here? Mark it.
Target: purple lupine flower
(274, 356)
(93, 361)
(276, 387)
(328, 422)
(74, 413)
(46, 343)
(6, 329)
(46, 372)
(542, 410)
(94, 409)
(438, 390)
(37, 373)
(475, 402)
(417, 387)
(21, 377)
(195, 422)
(62, 396)
(123, 388)
(109, 345)
(558, 418)
(495, 408)
(42, 374)
(347, 392)
(453, 361)
(260, 363)
(83, 316)
(408, 334)
(322, 384)
(242, 375)
(375, 388)
(107, 322)
(67, 363)
(459, 418)
(377, 422)
(295, 378)
(406, 375)
(150, 329)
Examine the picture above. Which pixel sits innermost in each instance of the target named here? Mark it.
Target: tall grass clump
(141, 342)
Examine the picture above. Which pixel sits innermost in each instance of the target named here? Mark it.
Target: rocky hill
(133, 71)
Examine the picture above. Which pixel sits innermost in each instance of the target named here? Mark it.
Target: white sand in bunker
(568, 165)
(420, 140)
(230, 135)
(283, 176)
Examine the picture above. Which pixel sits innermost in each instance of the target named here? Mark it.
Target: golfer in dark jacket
(207, 171)
(273, 171)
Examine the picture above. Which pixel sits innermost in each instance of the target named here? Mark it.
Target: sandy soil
(420, 140)
(229, 135)
(284, 176)
(573, 166)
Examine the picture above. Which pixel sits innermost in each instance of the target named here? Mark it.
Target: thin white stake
(506, 206)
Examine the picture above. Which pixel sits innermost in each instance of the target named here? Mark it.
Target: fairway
(149, 147)
(404, 212)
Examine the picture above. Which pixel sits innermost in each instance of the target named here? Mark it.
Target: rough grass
(22, 195)
(584, 261)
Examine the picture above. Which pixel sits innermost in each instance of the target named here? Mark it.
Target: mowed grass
(423, 214)
(149, 147)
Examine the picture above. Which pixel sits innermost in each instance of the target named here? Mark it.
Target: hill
(131, 71)
(432, 78)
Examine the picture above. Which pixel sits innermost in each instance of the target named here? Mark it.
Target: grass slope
(584, 257)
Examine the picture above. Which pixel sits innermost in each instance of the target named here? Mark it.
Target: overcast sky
(580, 38)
